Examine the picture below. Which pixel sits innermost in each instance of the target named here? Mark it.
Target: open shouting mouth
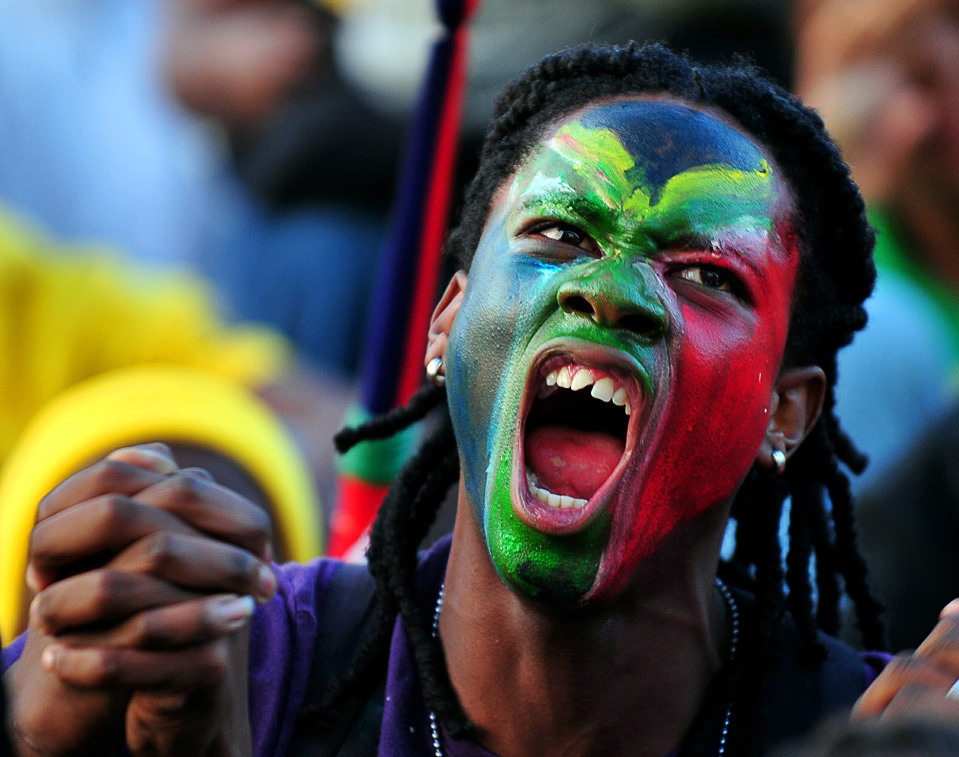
(580, 417)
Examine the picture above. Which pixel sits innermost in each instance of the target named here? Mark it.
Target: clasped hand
(145, 578)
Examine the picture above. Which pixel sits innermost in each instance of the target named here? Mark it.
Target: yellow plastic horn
(141, 404)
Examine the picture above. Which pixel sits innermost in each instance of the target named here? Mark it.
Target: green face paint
(635, 247)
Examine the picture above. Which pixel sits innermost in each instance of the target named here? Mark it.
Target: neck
(587, 681)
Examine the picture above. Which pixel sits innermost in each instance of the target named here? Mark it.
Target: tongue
(571, 461)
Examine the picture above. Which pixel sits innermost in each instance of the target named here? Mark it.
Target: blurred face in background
(884, 74)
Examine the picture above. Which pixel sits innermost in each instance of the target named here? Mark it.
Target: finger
(903, 670)
(103, 667)
(942, 645)
(156, 457)
(197, 499)
(918, 700)
(101, 526)
(105, 477)
(198, 562)
(100, 597)
(185, 624)
(951, 610)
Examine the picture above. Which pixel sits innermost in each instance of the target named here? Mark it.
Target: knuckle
(161, 551)
(187, 487)
(941, 647)
(47, 539)
(908, 666)
(143, 631)
(199, 472)
(43, 609)
(214, 662)
(106, 667)
(900, 663)
(44, 508)
(116, 509)
(259, 531)
(162, 447)
(108, 587)
(36, 544)
(950, 635)
(110, 474)
(912, 692)
(242, 568)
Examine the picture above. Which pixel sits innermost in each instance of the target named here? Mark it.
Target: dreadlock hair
(836, 275)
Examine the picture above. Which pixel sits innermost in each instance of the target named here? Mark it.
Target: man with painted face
(643, 251)
(659, 262)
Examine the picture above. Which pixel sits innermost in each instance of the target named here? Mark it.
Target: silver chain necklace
(731, 606)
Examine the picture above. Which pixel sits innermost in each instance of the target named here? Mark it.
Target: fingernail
(33, 612)
(265, 584)
(231, 612)
(49, 657)
(144, 458)
(951, 610)
(33, 579)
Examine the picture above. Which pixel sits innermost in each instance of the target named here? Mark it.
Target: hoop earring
(435, 371)
(779, 460)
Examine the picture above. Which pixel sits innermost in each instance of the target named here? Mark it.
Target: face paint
(634, 262)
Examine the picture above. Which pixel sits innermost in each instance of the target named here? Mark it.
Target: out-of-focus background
(214, 164)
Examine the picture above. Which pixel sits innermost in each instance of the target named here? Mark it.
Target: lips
(579, 426)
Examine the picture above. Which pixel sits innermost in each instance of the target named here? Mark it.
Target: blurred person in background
(96, 353)
(885, 76)
(322, 154)
(97, 150)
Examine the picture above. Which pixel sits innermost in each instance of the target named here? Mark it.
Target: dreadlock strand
(384, 426)
(800, 601)
(767, 615)
(827, 571)
(403, 529)
(851, 562)
(373, 647)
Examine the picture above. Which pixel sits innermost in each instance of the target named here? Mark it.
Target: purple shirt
(282, 639)
(277, 688)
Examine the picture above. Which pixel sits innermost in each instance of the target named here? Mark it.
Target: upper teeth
(576, 377)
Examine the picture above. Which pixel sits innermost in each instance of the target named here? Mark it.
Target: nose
(617, 295)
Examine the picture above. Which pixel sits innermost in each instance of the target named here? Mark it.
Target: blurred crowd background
(207, 183)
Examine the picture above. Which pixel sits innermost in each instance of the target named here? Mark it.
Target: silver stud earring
(779, 460)
(435, 372)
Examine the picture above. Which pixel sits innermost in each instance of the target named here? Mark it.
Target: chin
(566, 481)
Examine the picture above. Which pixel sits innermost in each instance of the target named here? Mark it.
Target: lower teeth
(558, 501)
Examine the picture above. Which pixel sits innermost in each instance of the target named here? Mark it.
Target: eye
(709, 277)
(564, 234)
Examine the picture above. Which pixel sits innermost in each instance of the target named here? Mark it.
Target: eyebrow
(696, 241)
(589, 209)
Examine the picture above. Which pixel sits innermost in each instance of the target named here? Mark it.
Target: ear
(443, 315)
(796, 404)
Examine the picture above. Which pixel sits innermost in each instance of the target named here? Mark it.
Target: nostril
(578, 304)
(645, 325)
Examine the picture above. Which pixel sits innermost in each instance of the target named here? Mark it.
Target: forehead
(674, 156)
(668, 138)
(665, 138)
